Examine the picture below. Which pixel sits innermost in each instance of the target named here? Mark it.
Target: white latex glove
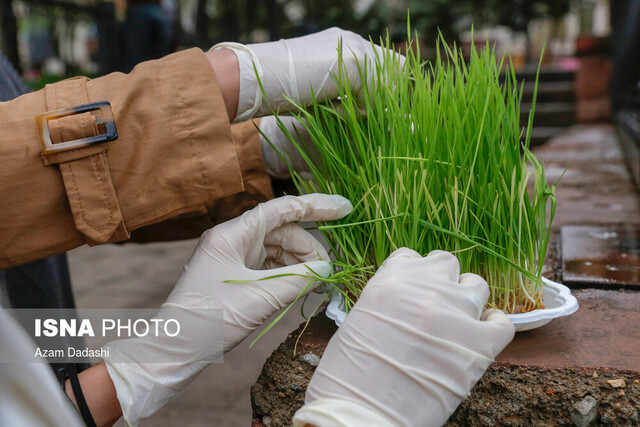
(411, 348)
(275, 164)
(264, 241)
(291, 68)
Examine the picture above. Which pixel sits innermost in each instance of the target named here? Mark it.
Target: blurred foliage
(218, 20)
(45, 79)
(516, 14)
(236, 20)
(427, 17)
(454, 16)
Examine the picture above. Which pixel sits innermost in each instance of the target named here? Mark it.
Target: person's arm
(226, 68)
(269, 257)
(99, 393)
(174, 153)
(142, 374)
(257, 189)
(261, 154)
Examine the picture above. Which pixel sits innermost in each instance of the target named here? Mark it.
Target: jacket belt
(85, 171)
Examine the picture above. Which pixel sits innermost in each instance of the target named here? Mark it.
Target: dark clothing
(147, 33)
(625, 35)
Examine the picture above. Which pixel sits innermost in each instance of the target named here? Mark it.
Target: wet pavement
(601, 256)
(596, 187)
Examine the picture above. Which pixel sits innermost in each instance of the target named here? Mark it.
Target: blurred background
(48, 39)
(589, 77)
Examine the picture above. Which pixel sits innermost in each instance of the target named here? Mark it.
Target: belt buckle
(104, 120)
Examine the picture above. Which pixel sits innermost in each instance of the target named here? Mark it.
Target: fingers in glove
(445, 263)
(242, 239)
(499, 327)
(434, 277)
(294, 242)
(310, 207)
(475, 287)
(402, 253)
(277, 149)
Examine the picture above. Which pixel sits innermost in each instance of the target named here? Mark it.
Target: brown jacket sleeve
(174, 154)
(257, 189)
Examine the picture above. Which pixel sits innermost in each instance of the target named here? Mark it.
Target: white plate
(556, 298)
(558, 302)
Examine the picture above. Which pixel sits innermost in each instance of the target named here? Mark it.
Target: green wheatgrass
(432, 156)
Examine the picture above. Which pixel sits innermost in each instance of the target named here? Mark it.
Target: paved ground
(131, 275)
(596, 187)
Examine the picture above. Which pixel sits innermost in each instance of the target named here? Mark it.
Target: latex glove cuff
(338, 412)
(250, 96)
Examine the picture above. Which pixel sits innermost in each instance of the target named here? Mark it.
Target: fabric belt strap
(85, 171)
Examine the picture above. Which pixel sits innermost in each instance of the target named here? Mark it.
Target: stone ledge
(508, 394)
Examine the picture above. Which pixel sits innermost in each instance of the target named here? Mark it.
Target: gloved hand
(411, 348)
(280, 145)
(263, 242)
(291, 68)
